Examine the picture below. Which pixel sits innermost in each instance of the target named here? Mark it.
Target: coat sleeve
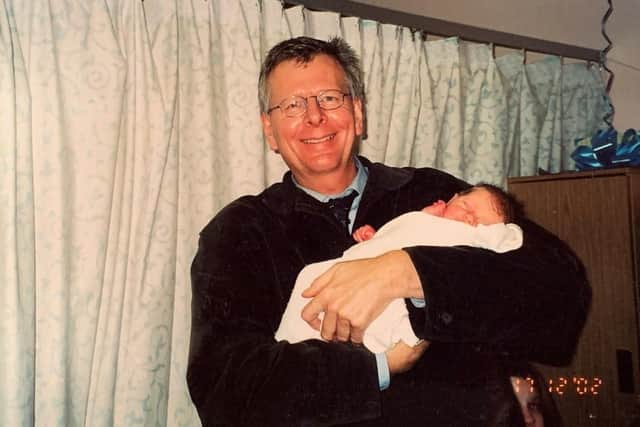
(238, 374)
(530, 303)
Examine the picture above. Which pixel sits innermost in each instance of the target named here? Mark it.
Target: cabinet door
(592, 214)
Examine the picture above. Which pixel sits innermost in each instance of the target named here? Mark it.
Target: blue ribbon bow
(607, 150)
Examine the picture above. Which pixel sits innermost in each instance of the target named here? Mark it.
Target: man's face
(318, 144)
(476, 207)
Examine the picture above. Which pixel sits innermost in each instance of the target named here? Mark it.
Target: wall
(575, 22)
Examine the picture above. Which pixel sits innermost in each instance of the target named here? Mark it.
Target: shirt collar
(358, 184)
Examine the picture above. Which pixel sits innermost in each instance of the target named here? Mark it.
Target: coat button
(446, 318)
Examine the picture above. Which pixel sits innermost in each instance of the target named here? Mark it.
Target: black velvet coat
(482, 309)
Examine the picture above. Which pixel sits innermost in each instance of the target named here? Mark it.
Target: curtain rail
(443, 28)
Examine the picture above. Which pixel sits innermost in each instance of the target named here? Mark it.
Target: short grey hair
(304, 50)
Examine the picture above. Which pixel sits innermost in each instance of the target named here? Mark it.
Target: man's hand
(352, 294)
(402, 357)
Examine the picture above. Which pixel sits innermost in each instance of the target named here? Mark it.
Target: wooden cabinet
(598, 214)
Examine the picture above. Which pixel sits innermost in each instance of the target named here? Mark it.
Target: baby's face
(476, 207)
(529, 401)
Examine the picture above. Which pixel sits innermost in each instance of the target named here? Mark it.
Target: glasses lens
(294, 106)
(331, 99)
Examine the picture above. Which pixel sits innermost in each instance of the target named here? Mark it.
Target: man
(474, 309)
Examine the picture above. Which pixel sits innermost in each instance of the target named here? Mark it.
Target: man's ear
(268, 131)
(358, 116)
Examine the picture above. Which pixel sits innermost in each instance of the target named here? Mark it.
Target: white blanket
(410, 229)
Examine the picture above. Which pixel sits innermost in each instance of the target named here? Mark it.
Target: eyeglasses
(297, 105)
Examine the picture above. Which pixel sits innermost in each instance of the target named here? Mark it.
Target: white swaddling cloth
(411, 229)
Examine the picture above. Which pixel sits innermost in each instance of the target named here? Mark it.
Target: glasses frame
(305, 100)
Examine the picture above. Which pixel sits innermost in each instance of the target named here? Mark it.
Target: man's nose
(314, 114)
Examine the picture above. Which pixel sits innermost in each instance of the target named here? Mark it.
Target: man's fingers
(315, 324)
(402, 357)
(343, 330)
(420, 347)
(318, 284)
(311, 314)
(357, 335)
(329, 324)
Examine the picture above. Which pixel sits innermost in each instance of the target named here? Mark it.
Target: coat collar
(286, 197)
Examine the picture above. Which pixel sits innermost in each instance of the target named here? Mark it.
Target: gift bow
(607, 150)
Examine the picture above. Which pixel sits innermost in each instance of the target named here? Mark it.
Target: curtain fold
(126, 125)
(17, 233)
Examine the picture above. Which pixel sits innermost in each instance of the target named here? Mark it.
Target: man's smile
(318, 140)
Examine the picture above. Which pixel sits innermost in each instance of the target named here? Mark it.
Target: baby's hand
(437, 208)
(364, 233)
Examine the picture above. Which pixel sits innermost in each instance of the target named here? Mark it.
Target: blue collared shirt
(358, 184)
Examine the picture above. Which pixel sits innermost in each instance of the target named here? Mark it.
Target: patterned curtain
(126, 125)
